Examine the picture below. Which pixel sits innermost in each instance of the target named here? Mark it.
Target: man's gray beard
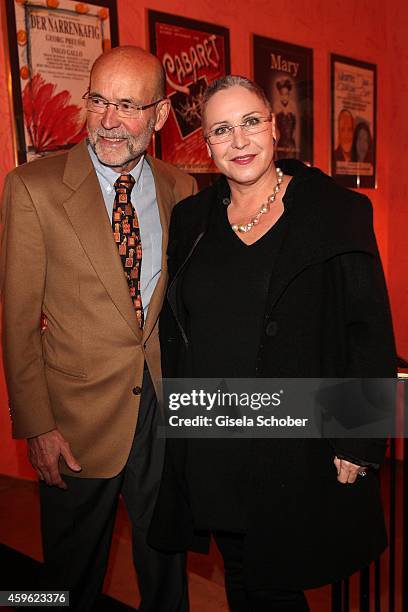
(133, 144)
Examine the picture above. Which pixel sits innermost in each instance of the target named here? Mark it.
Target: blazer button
(271, 328)
(137, 390)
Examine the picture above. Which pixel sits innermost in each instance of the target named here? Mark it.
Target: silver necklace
(246, 227)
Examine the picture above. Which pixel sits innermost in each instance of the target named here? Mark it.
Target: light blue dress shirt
(144, 201)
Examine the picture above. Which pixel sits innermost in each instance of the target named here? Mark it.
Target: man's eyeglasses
(251, 125)
(96, 104)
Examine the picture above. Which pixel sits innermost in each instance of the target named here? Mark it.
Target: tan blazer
(59, 257)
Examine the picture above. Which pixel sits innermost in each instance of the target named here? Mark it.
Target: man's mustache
(111, 134)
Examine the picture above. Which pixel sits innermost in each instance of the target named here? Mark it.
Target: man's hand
(44, 452)
(347, 472)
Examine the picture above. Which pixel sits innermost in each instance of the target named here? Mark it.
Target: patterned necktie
(126, 233)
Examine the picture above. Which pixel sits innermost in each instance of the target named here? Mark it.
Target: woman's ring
(362, 473)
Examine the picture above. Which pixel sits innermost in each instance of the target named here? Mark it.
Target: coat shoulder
(318, 187)
(345, 216)
(330, 194)
(52, 165)
(330, 218)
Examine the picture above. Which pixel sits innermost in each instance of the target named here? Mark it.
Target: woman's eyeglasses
(251, 125)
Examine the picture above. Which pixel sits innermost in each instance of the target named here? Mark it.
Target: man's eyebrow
(99, 95)
(96, 94)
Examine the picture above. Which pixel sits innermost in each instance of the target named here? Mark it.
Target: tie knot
(125, 181)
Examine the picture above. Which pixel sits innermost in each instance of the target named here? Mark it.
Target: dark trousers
(77, 525)
(242, 599)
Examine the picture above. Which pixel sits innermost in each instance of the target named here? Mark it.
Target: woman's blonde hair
(234, 80)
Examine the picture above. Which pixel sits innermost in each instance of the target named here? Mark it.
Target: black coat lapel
(324, 220)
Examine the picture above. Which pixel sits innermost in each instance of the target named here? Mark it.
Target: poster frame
(261, 75)
(354, 180)
(155, 17)
(13, 67)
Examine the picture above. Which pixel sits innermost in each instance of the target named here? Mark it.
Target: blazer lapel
(293, 257)
(165, 201)
(307, 242)
(87, 214)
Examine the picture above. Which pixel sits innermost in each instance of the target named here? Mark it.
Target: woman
(362, 149)
(273, 273)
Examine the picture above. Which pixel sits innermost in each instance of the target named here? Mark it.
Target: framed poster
(194, 54)
(285, 72)
(52, 46)
(353, 121)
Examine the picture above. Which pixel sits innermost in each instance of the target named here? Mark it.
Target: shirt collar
(109, 176)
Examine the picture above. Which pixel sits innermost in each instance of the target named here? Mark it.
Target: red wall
(396, 126)
(363, 29)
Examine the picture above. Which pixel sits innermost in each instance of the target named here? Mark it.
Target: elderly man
(84, 247)
(345, 126)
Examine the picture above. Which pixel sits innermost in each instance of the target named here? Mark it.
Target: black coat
(327, 315)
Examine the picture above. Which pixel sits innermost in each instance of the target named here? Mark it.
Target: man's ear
(162, 112)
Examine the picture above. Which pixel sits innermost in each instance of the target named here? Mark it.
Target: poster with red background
(193, 54)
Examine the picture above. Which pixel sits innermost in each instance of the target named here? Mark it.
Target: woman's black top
(224, 291)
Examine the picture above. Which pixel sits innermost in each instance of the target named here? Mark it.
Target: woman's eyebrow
(243, 117)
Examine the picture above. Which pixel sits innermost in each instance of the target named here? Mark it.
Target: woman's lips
(243, 160)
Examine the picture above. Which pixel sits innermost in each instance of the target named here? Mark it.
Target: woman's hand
(347, 472)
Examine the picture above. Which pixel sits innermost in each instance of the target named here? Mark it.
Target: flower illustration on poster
(50, 120)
